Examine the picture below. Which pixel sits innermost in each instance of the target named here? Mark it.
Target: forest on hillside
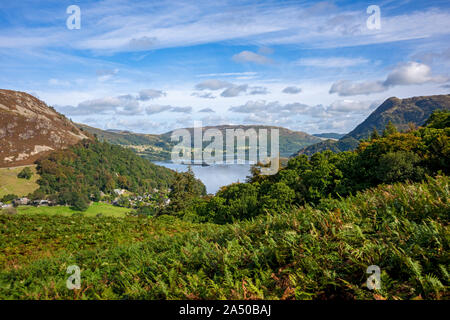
(78, 174)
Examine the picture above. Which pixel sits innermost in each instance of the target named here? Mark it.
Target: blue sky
(152, 66)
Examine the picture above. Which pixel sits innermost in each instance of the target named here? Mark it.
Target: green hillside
(81, 171)
(150, 146)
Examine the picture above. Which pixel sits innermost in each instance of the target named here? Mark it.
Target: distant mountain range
(158, 147)
(401, 112)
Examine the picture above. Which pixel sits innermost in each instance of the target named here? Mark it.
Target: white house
(119, 192)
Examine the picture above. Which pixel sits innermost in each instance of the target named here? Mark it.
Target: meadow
(96, 208)
(11, 184)
(311, 252)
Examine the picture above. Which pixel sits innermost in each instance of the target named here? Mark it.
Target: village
(119, 198)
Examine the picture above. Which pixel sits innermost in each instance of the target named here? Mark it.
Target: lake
(214, 176)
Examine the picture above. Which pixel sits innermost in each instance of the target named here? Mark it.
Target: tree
(184, 190)
(26, 173)
(374, 135)
(399, 166)
(278, 198)
(146, 211)
(37, 195)
(439, 120)
(390, 129)
(9, 197)
(96, 196)
(79, 201)
(237, 201)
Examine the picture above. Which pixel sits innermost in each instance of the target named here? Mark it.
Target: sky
(154, 66)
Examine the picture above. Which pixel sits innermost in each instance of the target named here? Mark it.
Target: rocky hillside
(401, 112)
(30, 129)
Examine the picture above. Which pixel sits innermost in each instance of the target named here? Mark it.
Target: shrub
(26, 173)
(79, 201)
(8, 211)
(9, 197)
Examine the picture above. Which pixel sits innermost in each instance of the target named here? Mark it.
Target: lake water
(214, 176)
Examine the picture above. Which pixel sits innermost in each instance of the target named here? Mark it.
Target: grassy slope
(9, 183)
(96, 208)
(306, 253)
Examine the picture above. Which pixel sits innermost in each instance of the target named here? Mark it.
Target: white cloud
(142, 43)
(258, 90)
(350, 88)
(147, 25)
(292, 90)
(149, 94)
(213, 84)
(265, 50)
(234, 91)
(206, 95)
(207, 110)
(229, 74)
(231, 90)
(251, 107)
(134, 125)
(411, 73)
(58, 82)
(106, 74)
(248, 56)
(181, 109)
(332, 62)
(153, 109)
(270, 107)
(214, 120)
(352, 106)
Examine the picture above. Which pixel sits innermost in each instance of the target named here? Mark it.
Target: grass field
(93, 210)
(9, 183)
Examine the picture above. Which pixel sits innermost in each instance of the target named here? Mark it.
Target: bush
(400, 166)
(8, 211)
(146, 211)
(9, 197)
(26, 173)
(79, 201)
